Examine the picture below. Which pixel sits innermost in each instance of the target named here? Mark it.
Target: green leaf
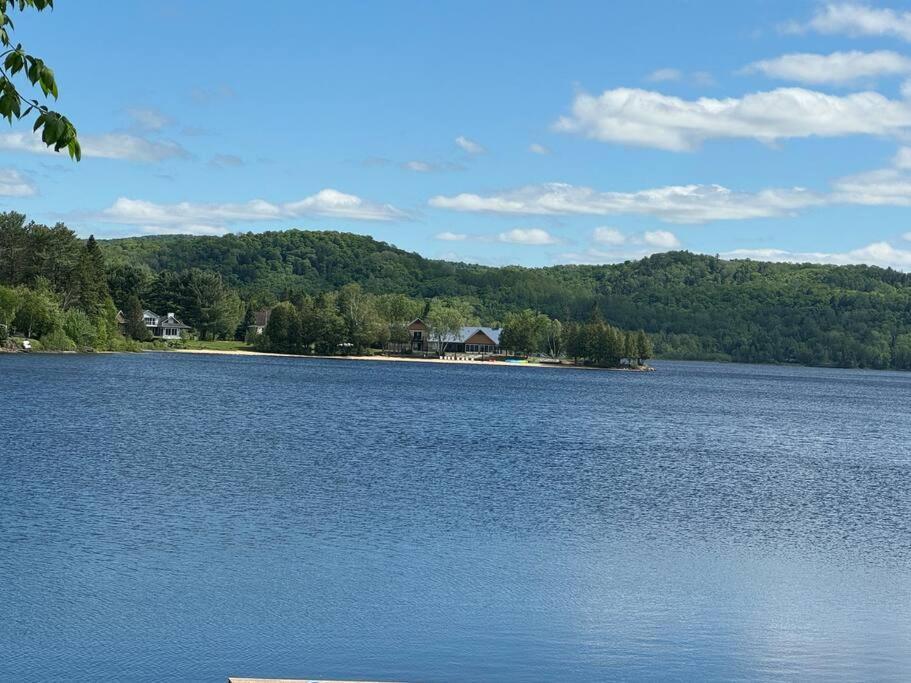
(75, 150)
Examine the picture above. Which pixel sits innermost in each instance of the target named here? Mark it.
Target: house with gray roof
(164, 326)
(260, 320)
(474, 339)
(160, 326)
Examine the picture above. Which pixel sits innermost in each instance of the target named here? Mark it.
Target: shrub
(80, 328)
(57, 340)
(121, 343)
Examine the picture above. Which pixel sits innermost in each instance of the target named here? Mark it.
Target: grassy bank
(221, 345)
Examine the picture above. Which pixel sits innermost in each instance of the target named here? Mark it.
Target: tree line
(53, 287)
(345, 321)
(593, 342)
(691, 306)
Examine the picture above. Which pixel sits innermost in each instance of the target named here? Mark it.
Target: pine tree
(135, 326)
(92, 284)
(644, 349)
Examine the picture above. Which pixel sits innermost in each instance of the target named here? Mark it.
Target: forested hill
(695, 306)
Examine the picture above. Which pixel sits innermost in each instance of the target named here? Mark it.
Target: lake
(189, 517)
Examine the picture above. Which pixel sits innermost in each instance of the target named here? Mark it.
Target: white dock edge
(234, 679)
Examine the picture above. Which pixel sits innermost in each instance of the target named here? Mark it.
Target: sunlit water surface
(177, 517)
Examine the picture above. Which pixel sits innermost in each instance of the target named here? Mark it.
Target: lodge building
(469, 340)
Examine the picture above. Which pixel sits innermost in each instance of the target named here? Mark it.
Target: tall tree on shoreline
(135, 326)
(445, 321)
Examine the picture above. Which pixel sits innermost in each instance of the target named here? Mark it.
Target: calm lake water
(181, 517)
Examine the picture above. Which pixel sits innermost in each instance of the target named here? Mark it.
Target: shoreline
(400, 359)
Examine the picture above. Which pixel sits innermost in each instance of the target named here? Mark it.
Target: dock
(234, 679)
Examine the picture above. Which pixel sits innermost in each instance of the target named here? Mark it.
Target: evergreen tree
(240, 334)
(643, 346)
(283, 332)
(90, 276)
(573, 336)
(135, 327)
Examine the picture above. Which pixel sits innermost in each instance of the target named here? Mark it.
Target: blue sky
(507, 132)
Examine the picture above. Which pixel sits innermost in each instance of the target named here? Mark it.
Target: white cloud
(650, 119)
(106, 146)
(149, 118)
(902, 158)
(661, 239)
(663, 75)
(528, 236)
(130, 147)
(226, 160)
(620, 246)
(469, 146)
(451, 236)
(537, 148)
(701, 78)
(876, 254)
(889, 186)
(907, 237)
(419, 166)
(857, 19)
(337, 204)
(883, 187)
(189, 229)
(835, 68)
(14, 184)
(608, 236)
(186, 216)
(676, 204)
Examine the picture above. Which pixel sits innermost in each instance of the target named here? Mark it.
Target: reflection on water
(191, 517)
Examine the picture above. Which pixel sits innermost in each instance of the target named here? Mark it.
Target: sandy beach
(402, 359)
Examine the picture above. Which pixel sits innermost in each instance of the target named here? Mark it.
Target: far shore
(402, 359)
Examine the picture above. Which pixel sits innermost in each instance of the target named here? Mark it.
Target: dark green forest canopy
(694, 306)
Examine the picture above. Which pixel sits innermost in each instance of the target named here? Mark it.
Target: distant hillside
(694, 306)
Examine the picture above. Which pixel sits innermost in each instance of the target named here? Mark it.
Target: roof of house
(147, 313)
(171, 321)
(261, 318)
(467, 332)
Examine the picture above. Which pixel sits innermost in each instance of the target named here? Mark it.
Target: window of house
(418, 335)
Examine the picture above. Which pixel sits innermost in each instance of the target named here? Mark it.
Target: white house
(163, 327)
(160, 327)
